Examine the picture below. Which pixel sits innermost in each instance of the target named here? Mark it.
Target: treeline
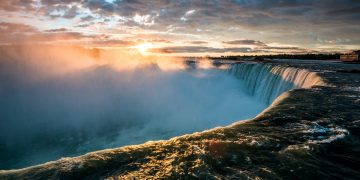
(304, 56)
(283, 56)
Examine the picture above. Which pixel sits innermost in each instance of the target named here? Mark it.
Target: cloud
(198, 42)
(245, 42)
(15, 32)
(146, 20)
(63, 11)
(187, 14)
(112, 43)
(87, 18)
(57, 30)
(56, 36)
(199, 49)
(255, 12)
(284, 49)
(300, 23)
(84, 25)
(17, 5)
(159, 41)
(13, 28)
(21, 33)
(206, 49)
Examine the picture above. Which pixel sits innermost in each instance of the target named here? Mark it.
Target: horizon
(147, 55)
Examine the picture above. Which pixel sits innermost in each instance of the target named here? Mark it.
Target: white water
(267, 82)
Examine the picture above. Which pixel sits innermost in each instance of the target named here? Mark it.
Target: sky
(184, 27)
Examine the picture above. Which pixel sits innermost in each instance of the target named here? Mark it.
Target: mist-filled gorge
(52, 108)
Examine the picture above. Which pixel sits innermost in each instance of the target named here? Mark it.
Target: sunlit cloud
(179, 25)
(187, 14)
(146, 20)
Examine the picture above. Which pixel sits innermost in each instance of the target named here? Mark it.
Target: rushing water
(103, 107)
(268, 81)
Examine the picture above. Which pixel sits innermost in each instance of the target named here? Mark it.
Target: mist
(58, 102)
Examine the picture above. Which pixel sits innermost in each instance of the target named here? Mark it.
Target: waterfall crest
(267, 82)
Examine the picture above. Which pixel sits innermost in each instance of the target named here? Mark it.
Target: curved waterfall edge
(268, 81)
(67, 163)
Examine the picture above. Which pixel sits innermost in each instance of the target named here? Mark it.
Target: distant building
(354, 56)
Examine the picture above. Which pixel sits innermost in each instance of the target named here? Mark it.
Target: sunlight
(143, 48)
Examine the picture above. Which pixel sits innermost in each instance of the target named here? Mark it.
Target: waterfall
(268, 81)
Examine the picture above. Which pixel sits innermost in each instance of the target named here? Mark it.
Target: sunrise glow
(185, 28)
(143, 48)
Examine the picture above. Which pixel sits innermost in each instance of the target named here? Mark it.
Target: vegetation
(284, 56)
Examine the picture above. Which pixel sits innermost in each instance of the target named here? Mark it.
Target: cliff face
(311, 132)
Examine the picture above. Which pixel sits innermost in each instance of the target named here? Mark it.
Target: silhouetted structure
(354, 56)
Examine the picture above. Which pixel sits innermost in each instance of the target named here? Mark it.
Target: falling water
(267, 81)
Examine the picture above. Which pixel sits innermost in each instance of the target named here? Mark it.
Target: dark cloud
(159, 41)
(344, 11)
(199, 49)
(284, 49)
(198, 42)
(256, 12)
(60, 2)
(100, 6)
(85, 25)
(245, 42)
(52, 8)
(206, 49)
(87, 18)
(57, 30)
(112, 43)
(63, 11)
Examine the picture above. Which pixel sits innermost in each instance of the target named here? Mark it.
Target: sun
(143, 48)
